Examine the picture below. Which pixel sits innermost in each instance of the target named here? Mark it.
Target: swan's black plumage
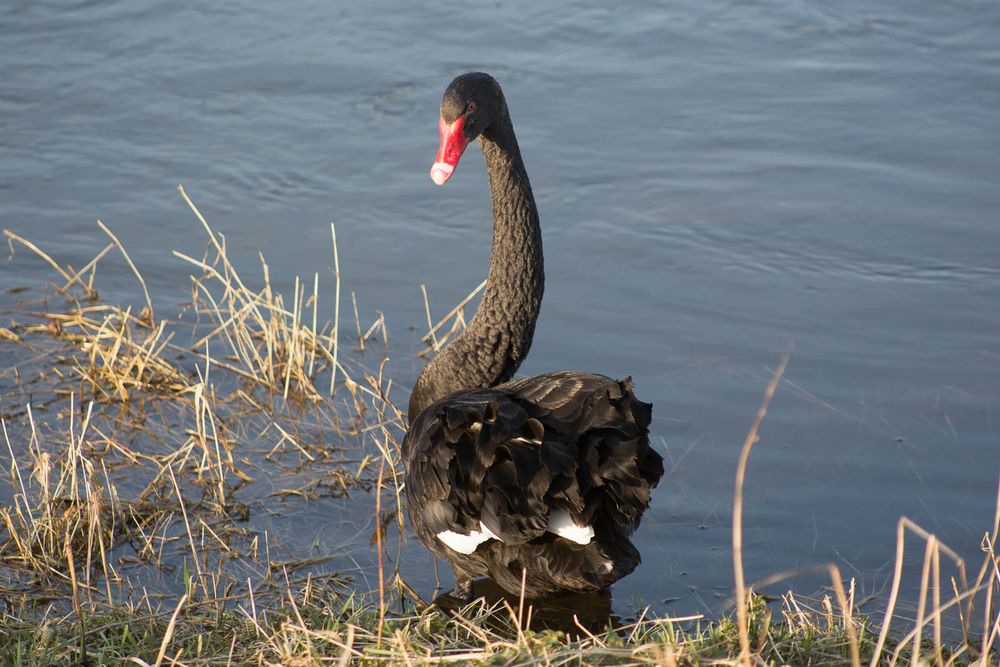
(509, 455)
(486, 453)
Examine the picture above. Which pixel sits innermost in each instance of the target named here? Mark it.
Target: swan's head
(470, 105)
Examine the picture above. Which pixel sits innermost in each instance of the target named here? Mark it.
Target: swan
(539, 482)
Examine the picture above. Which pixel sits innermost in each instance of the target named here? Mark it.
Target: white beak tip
(441, 172)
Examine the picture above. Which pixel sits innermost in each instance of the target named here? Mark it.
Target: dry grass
(304, 627)
(146, 476)
(148, 442)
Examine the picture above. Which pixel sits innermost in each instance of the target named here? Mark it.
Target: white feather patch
(466, 544)
(488, 532)
(562, 524)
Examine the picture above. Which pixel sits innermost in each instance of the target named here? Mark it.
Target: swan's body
(546, 476)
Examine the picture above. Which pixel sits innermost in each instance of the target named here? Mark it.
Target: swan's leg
(463, 585)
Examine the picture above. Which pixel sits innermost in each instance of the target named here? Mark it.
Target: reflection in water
(591, 610)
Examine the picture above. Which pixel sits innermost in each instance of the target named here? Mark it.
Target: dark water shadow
(565, 612)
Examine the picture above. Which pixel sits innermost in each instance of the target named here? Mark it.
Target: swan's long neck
(498, 338)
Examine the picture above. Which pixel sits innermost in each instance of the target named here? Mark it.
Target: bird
(537, 483)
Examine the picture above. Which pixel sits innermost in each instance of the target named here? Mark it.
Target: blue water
(716, 181)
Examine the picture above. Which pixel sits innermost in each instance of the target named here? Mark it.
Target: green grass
(336, 632)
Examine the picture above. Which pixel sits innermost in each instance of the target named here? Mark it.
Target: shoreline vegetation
(135, 448)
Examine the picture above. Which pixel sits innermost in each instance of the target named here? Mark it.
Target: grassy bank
(315, 632)
(143, 449)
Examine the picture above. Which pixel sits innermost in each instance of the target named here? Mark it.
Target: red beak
(453, 144)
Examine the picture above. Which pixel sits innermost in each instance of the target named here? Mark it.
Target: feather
(562, 524)
(549, 474)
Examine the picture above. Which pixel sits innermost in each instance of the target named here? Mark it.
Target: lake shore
(141, 448)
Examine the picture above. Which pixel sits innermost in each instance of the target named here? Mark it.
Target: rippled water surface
(716, 180)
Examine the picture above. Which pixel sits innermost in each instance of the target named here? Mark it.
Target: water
(715, 180)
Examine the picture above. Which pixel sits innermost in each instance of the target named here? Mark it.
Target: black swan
(544, 477)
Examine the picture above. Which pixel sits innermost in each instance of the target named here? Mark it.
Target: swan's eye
(471, 108)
